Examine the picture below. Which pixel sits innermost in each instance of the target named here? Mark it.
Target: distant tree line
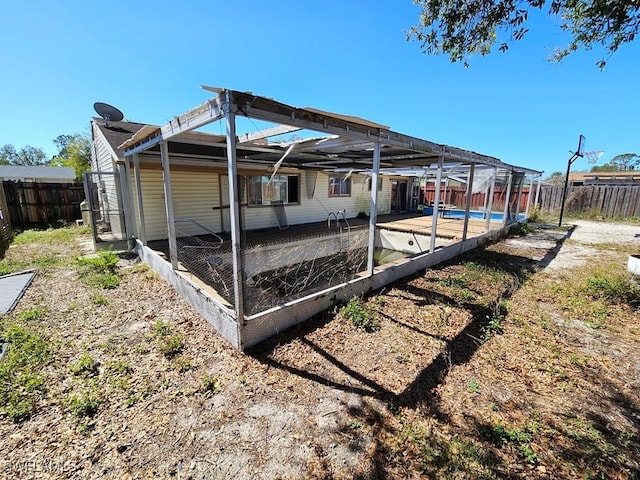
(620, 163)
(73, 151)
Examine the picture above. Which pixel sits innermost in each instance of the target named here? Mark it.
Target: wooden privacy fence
(457, 195)
(36, 204)
(5, 229)
(604, 200)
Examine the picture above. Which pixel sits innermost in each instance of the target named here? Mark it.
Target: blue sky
(150, 58)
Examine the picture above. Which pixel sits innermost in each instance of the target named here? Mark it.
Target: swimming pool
(459, 213)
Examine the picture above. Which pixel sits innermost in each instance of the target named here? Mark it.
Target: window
(339, 187)
(282, 189)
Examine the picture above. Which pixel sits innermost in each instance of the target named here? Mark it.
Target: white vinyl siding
(101, 155)
(196, 192)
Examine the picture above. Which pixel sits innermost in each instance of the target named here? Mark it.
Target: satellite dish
(108, 112)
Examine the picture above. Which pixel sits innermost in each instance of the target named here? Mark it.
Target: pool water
(495, 216)
(385, 255)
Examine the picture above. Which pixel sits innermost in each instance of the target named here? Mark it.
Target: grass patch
(455, 282)
(119, 367)
(519, 438)
(99, 300)
(360, 315)
(103, 261)
(47, 237)
(9, 265)
(21, 384)
(99, 271)
(161, 328)
(169, 344)
(612, 287)
(32, 314)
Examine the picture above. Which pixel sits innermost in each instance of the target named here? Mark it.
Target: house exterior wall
(197, 195)
(110, 203)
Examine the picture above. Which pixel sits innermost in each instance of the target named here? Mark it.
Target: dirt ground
(476, 371)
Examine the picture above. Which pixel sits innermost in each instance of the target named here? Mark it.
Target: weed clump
(100, 270)
(84, 405)
(169, 344)
(86, 366)
(172, 345)
(612, 288)
(360, 315)
(521, 229)
(210, 385)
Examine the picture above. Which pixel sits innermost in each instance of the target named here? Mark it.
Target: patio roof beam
(261, 108)
(266, 133)
(205, 113)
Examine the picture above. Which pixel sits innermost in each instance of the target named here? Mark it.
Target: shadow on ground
(421, 394)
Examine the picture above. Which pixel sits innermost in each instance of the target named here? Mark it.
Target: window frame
(264, 179)
(342, 181)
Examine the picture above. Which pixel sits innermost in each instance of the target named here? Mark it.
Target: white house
(261, 230)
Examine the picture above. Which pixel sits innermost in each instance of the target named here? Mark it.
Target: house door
(398, 196)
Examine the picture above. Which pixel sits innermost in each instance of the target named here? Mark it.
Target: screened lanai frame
(351, 144)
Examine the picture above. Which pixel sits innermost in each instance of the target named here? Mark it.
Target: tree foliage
(73, 151)
(556, 178)
(619, 163)
(463, 28)
(25, 156)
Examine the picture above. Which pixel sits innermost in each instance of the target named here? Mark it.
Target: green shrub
(360, 315)
(521, 229)
(536, 216)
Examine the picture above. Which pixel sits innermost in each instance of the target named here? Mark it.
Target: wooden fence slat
(620, 201)
(35, 204)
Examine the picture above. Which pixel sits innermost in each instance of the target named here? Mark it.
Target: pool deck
(450, 228)
(416, 223)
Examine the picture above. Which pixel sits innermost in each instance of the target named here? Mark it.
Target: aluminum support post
(492, 191)
(467, 207)
(234, 212)
(142, 230)
(436, 208)
(168, 201)
(373, 208)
